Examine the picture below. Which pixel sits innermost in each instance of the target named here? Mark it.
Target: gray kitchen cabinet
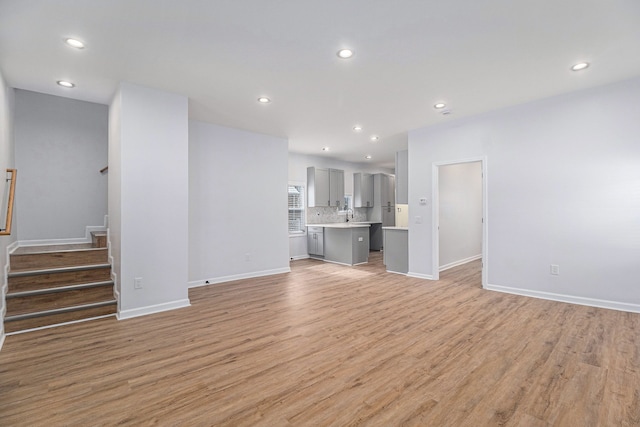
(362, 190)
(396, 250)
(315, 241)
(402, 177)
(336, 187)
(388, 216)
(383, 199)
(387, 189)
(325, 187)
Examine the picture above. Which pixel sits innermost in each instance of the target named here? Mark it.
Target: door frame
(435, 214)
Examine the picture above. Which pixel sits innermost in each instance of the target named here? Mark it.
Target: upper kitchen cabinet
(362, 190)
(325, 187)
(384, 200)
(336, 187)
(402, 177)
(385, 186)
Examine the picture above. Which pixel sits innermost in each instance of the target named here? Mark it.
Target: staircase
(50, 285)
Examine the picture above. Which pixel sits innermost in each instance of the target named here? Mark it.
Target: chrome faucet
(347, 215)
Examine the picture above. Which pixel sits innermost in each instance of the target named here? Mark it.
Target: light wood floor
(333, 345)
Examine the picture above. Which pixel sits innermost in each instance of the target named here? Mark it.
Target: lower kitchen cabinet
(315, 241)
(396, 249)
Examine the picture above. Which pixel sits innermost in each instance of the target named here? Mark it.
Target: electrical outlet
(137, 283)
(555, 269)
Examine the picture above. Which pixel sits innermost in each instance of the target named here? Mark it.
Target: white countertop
(342, 225)
(396, 228)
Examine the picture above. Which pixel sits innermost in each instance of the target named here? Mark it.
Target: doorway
(460, 217)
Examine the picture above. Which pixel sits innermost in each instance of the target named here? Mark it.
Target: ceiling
(475, 56)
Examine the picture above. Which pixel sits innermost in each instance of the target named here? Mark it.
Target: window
(296, 209)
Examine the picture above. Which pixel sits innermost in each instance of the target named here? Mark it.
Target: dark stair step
(38, 260)
(59, 316)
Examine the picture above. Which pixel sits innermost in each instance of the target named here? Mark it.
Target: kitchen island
(345, 242)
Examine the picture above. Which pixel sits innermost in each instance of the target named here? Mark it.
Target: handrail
(104, 169)
(12, 191)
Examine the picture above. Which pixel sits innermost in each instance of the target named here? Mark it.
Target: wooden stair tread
(34, 271)
(60, 316)
(40, 291)
(51, 248)
(43, 304)
(35, 281)
(59, 258)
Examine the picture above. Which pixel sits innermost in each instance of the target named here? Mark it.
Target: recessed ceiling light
(368, 157)
(74, 43)
(357, 128)
(374, 138)
(439, 105)
(580, 66)
(65, 83)
(345, 53)
(264, 100)
(325, 148)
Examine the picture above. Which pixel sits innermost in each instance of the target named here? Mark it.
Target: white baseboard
(4, 289)
(396, 272)
(151, 309)
(70, 241)
(10, 249)
(48, 242)
(297, 257)
(420, 276)
(591, 302)
(231, 278)
(460, 262)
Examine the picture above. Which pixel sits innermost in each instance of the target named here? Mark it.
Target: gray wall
(6, 161)
(60, 146)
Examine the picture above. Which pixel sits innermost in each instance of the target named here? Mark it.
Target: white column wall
(237, 204)
(6, 162)
(563, 188)
(149, 201)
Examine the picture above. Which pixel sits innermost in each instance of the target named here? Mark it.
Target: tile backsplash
(327, 215)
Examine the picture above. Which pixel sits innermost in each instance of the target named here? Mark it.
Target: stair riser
(99, 240)
(21, 325)
(57, 259)
(54, 280)
(51, 301)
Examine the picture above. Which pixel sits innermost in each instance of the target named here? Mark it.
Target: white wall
(60, 146)
(460, 207)
(149, 153)
(563, 181)
(114, 191)
(237, 204)
(6, 162)
(298, 164)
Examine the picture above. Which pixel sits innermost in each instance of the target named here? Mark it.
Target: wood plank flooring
(333, 345)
